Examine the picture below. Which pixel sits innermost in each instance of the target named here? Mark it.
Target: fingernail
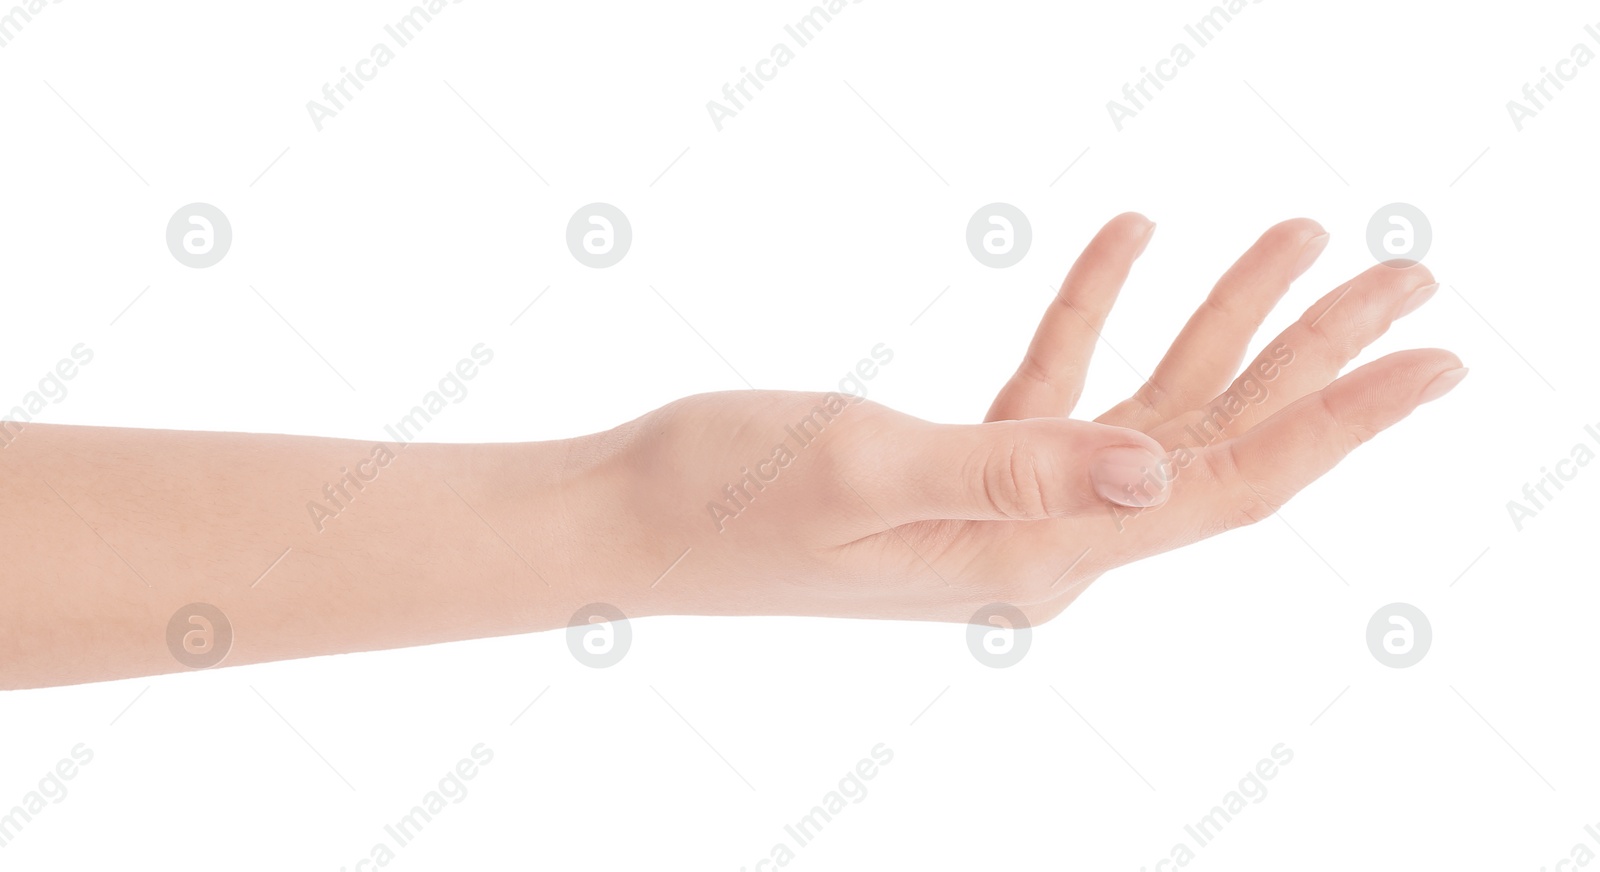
(1148, 232)
(1441, 384)
(1129, 476)
(1416, 298)
(1308, 255)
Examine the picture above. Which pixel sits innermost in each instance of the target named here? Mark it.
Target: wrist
(560, 515)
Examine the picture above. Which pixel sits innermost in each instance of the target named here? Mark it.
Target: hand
(873, 513)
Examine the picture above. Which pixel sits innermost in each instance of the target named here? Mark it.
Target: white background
(793, 240)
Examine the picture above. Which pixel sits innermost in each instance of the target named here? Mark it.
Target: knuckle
(1221, 304)
(1247, 503)
(1220, 465)
(1011, 478)
(1332, 329)
(1151, 395)
(828, 433)
(1354, 433)
(1251, 508)
(1032, 370)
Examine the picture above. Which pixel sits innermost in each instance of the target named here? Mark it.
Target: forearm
(307, 545)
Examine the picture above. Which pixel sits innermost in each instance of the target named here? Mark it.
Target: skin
(110, 531)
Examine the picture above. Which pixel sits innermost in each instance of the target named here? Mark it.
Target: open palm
(879, 514)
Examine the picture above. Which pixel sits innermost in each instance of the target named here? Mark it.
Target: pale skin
(109, 532)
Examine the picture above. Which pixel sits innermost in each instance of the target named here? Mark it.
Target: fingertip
(1128, 476)
(1442, 384)
(1149, 232)
(1310, 250)
(1412, 373)
(1415, 297)
(1415, 270)
(1131, 470)
(1448, 371)
(1435, 359)
(1406, 265)
(1301, 228)
(1136, 225)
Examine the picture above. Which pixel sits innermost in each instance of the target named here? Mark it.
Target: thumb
(1031, 469)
